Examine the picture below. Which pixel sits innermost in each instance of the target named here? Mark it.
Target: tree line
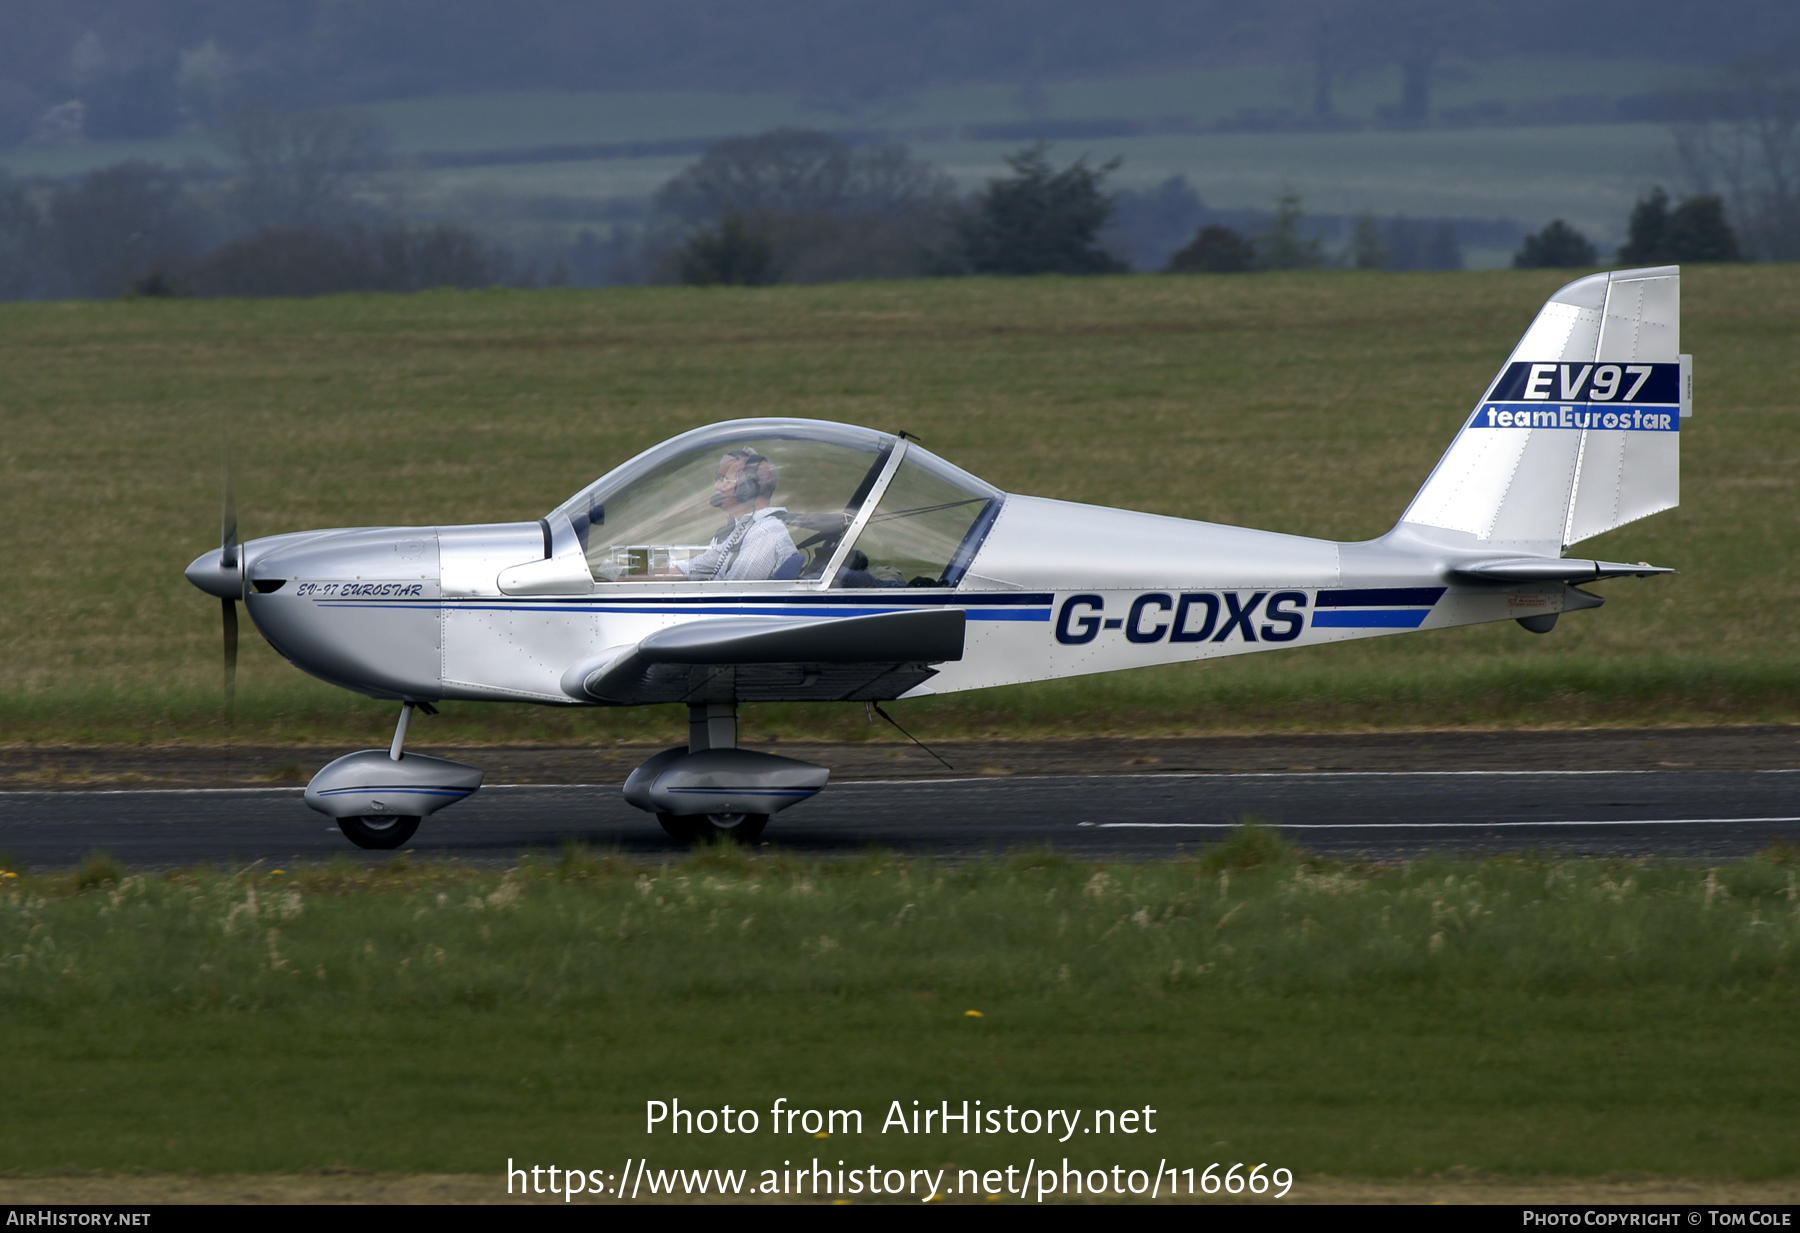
(299, 215)
(291, 218)
(797, 206)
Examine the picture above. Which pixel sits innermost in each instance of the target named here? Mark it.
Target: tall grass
(1253, 917)
(1514, 1016)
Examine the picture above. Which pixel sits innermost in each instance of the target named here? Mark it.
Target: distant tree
(1040, 220)
(27, 262)
(826, 209)
(1557, 246)
(282, 261)
(1422, 244)
(1147, 226)
(1418, 35)
(298, 167)
(1214, 250)
(1698, 232)
(420, 257)
(308, 261)
(1367, 252)
(1693, 231)
(733, 254)
(1328, 42)
(1337, 39)
(115, 225)
(1282, 246)
(1444, 250)
(1646, 230)
(593, 261)
(1738, 138)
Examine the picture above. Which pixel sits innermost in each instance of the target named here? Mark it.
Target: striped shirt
(752, 550)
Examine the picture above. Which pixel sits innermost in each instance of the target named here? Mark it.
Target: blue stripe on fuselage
(1012, 607)
(1371, 618)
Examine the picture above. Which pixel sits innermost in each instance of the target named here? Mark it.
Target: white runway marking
(142, 791)
(906, 783)
(1429, 826)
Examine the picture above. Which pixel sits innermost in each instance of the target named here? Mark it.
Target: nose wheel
(378, 831)
(713, 827)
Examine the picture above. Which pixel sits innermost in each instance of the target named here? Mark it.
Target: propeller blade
(228, 535)
(229, 610)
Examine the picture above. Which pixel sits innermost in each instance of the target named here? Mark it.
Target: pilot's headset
(756, 478)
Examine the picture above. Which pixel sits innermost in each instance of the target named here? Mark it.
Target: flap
(776, 658)
(930, 635)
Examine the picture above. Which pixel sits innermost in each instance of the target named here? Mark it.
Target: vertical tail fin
(1580, 432)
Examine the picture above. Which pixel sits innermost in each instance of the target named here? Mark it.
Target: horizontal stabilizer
(1551, 569)
(931, 636)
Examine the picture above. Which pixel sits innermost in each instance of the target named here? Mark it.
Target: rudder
(1580, 432)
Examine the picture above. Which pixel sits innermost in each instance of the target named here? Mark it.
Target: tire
(741, 828)
(682, 828)
(380, 831)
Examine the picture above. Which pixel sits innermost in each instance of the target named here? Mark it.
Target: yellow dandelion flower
(972, 1014)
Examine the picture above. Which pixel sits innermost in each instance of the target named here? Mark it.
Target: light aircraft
(787, 560)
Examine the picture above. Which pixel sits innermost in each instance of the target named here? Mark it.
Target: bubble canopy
(787, 502)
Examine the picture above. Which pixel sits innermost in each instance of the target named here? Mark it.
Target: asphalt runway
(1380, 815)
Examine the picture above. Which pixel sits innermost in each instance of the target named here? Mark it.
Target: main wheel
(379, 830)
(713, 827)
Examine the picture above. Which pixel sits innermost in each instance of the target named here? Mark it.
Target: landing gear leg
(397, 750)
(713, 725)
(386, 830)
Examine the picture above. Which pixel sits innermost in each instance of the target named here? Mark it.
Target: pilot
(757, 543)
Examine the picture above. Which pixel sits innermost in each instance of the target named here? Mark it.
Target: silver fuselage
(499, 612)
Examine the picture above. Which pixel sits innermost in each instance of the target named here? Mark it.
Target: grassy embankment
(1515, 1017)
(1311, 403)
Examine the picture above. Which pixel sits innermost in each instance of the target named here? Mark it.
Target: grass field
(1311, 403)
(1511, 1017)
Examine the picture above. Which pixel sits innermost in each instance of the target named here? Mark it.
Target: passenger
(757, 543)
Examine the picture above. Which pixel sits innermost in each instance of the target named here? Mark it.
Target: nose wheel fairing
(372, 784)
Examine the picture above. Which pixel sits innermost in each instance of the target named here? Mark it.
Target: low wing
(776, 659)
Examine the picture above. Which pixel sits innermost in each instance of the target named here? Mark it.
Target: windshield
(744, 501)
(926, 528)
